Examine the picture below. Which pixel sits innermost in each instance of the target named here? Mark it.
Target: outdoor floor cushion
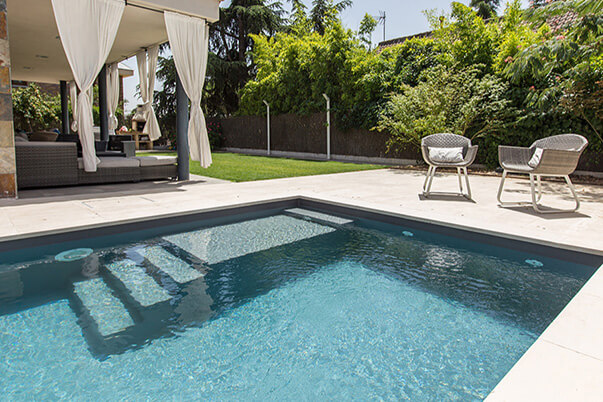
(112, 162)
(157, 160)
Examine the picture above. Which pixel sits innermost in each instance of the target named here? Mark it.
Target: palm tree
(485, 8)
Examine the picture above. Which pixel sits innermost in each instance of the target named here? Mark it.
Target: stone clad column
(8, 171)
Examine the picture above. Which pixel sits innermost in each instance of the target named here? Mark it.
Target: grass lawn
(237, 167)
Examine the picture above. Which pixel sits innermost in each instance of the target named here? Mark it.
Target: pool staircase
(137, 296)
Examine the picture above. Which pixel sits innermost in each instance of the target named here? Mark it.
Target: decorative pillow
(535, 161)
(446, 155)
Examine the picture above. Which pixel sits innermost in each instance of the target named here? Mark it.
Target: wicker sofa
(50, 164)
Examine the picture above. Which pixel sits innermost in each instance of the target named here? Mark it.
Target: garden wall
(307, 134)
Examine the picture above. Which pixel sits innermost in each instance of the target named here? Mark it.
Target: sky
(402, 18)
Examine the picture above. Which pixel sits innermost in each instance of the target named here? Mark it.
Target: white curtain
(113, 94)
(147, 64)
(188, 38)
(87, 29)
(73, 98)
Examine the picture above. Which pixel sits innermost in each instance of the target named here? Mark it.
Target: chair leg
(505, 204)
(573, 190)
(467, 182)
(427, 178)
(539, 188)
(458, 173)
(430, 181)
(536, 194)
(535, 199)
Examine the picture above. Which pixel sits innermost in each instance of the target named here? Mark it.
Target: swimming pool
(286, 303)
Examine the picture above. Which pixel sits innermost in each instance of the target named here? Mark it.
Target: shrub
(459, 102)
(35, 110)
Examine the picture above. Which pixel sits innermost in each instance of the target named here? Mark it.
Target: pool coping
(573, 340)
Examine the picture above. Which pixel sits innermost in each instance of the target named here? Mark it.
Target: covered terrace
(77, 44)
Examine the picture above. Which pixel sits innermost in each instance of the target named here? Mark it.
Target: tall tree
(485, 8)
(366, 29)
(324, 12)
(229, 64)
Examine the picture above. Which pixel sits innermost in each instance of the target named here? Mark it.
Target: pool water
(286, 305)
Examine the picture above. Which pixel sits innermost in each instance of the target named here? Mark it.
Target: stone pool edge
(565, 362)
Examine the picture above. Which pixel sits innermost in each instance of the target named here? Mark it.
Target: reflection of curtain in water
(90, 266)
(11, 286)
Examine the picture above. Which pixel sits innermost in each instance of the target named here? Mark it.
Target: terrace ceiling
(36, 50)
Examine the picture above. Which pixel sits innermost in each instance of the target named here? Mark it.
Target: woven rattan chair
(446, 140)
(559, 157)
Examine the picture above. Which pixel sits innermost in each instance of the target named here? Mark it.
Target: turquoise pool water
(289, 306)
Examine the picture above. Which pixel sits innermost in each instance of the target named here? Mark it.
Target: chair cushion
(113, 162)
(535, 160)
(157, 160)
(446, 155)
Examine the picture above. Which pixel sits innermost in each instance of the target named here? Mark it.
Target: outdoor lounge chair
(555, 156)
(451, 151)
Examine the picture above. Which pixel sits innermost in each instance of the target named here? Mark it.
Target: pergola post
(64, 108)
(182, 131)
(102, 104)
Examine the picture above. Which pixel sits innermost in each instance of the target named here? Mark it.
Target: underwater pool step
(142, 287)
(305, 213)
(165, 261)
(221, 243)
(108, 312)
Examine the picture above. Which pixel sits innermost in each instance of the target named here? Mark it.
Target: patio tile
(579, 327)
(548, 372)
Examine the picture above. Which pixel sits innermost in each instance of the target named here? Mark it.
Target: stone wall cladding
(8, 184)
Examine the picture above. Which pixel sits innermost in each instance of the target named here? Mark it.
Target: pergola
(37, 52)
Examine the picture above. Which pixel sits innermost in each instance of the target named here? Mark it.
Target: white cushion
(113, 162)
(535, 160)
(157, 160)
(446, 155)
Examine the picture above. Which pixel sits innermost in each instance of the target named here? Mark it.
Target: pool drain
(73, 255)
(534, 263)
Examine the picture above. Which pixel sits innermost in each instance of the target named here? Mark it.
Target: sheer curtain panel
(188, 38)
(147, 66)
(87, 29)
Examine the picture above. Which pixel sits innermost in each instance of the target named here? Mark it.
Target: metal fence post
(328, 125)
(267, 124)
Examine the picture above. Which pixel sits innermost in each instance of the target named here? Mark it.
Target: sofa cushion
(157, 160)
(112, 162)
(44, 144)
(49, 136)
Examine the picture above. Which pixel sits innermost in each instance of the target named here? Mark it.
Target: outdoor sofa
(50, 164)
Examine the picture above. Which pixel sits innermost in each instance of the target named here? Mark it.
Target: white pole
(328, 125)
(267, 124)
